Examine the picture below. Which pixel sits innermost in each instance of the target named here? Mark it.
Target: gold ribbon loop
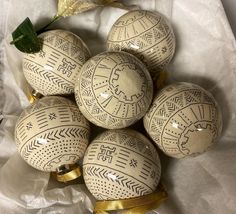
(139, 205)
(68, 176)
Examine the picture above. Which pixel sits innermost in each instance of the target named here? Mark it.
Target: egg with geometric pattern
(145, 34)
(52, 133)
(114, 90)
(54, 70)
(184, 120)
(121, 164)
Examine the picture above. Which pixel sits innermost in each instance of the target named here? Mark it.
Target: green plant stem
(41, 30)
(55, 18)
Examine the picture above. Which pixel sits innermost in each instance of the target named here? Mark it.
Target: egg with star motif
(52, 133)
(121, 164)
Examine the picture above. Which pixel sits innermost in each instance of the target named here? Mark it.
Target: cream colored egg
(114, 90)
(184, 120)
(55, 68)
(121, 164)
(51, 133)
(147, 35)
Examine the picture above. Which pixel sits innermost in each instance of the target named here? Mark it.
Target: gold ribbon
(33, 96)
(73, 174)
(160, 79)
(138, 205)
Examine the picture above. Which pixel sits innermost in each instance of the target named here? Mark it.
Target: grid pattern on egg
(126, 164)
(145, 34)
(55, 68)
(174, 118)
(104, 98)
(51, 132)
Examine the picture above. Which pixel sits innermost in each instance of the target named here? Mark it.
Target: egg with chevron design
(121, 164)
(148, 35)
(54, 70)
(184, 120)
(52, 133)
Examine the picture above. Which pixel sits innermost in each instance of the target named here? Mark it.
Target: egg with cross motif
(184, 120)
(52, 133)
(54, 70)
(114, 90)
(121, 164)
(148, 35)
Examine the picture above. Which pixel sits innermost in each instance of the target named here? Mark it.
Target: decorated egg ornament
(114, 90)
(51, 133)
(121, 164)
(147, 35)
(184, 120)
(55, 68)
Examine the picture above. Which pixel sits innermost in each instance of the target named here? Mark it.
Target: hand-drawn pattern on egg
(121, 164)
(147, 35)
(184, 120)
(55, 68)
(114, 90)
(52, 132)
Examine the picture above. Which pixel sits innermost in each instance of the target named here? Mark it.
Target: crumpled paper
(205, 55)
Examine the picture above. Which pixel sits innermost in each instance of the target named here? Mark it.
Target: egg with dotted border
(51, 133)
(121, 164)
(184, 120)
(54, 70)
(147, 35)
(114, 90)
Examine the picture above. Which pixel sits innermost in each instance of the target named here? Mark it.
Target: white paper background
(206, 55)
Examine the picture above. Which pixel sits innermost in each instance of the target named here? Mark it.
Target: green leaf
(25, 38)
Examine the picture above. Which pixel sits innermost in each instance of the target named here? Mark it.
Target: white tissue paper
(205, 55)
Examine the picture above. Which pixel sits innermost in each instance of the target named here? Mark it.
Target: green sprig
(25, 37)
